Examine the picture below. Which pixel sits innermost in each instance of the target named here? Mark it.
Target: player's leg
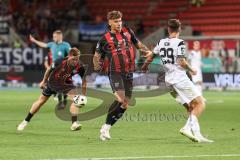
(115, 112)
(34, 109)
(75, 123)
(186, 130)
(189, 93)
(117, 108)
(198, 106)
(178, 99)
(74, 110)
(46, 93)
(60, 104)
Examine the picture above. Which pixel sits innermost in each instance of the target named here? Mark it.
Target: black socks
(115, 112)
(74, 118)
(29, 116)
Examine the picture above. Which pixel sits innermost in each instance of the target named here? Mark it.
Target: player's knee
(199, 103)
(120, 100)
(125, 105)
(203, 104)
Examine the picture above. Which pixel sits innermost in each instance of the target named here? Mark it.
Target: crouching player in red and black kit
(57, 79)
(117, 47)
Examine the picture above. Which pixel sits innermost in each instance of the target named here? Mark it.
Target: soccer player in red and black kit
(117, 47)
(58, 79)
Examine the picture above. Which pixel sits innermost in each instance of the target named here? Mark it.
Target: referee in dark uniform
(116, 47)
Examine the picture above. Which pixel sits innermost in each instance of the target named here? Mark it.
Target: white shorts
(186, 91)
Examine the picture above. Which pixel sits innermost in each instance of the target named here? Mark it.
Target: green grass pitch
(136, 136)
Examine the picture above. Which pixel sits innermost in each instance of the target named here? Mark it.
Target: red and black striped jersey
(60, 79)
(118, 49)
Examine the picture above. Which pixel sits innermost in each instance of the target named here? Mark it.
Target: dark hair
(114, 15)
(57, 32)
(174, 25)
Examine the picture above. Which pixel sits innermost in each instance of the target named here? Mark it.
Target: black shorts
(48, 91)
(122, 82)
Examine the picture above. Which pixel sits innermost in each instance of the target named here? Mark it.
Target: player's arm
(46, 64)
(99, 56)
(138, 44)
(43, 83)
(181, 58)
(39, 43)
(144, 49)
(150, 56)
(184, 64)
(148, 60)
(97, 61)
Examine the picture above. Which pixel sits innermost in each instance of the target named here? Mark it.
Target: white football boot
(22, 125)
(202, 139)
(76, 126)
(188, 133)
(104, 132)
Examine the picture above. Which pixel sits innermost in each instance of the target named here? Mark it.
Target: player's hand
(31, 38)
(147, 53)
(42, 84)
(194, 72)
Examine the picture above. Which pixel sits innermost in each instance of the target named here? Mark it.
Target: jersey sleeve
(100, 48)
(134, 39)
(49, 44)
(181, 50)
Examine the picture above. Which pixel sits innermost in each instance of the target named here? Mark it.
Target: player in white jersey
(172, 52)
(196, 63)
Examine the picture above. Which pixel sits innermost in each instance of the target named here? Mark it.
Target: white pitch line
(150, 157)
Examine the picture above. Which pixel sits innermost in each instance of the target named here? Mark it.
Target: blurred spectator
(205, 51)
(43, 17)
(3, 42)
(224, 55)
(99, 20)
(17, 44)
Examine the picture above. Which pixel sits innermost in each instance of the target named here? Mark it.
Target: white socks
(192, 123)
(188, 126)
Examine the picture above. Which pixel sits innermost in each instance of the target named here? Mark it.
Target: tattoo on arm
(97, 62)
(141, 46)
(183, 63)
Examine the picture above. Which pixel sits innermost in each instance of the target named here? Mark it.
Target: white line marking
(150, 157)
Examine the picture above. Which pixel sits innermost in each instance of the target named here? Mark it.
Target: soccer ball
(79, 100)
